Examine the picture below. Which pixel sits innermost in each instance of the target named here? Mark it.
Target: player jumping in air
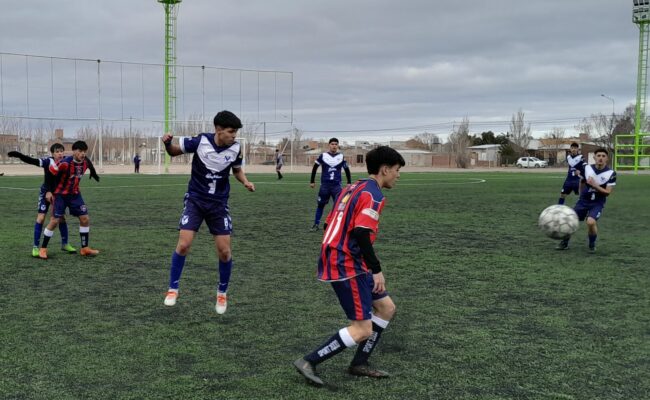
(215, 154)
(348, 262)
(45, 196)
(598, 181)
(68, 172)
(572, 181)
(330, 181)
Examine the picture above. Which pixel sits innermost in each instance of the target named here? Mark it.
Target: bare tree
(429, 141)
(460, 141)
(519, 131)
(555, 140)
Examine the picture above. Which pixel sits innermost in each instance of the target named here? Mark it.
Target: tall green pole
(171, 10)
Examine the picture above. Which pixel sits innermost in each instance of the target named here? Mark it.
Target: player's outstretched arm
(24, 158)
(170, 148)
(241, 177)
(348, 176)
(93, 172)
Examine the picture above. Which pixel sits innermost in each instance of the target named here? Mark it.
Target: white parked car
(531, 162)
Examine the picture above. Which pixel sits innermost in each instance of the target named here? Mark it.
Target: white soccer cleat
(170, 298)
(222, 303)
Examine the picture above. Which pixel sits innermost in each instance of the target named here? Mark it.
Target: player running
(68, 172)
(215, 154)
(572, 181)
(348, 262)
(330, 181)
(45, 196)
(598, 181)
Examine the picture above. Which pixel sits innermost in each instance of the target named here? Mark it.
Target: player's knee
(182, 248)
(385, 310)
(591, 222)
(225, 254)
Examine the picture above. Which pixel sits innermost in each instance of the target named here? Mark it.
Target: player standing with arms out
(330, 181)
(598, 181)
(45, 196)
(572, 181)
(348, 262)
(68, 172)
(207, 198)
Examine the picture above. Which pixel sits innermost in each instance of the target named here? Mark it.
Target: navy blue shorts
(356, 296)
(327, 191)
(215, 213)
(570, 186)
(585, 209)
(73, 202)
(43, 204)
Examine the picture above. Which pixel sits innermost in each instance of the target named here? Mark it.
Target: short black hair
(79, 145)
(333, 140)
(56, 146)
(574, 144)
(383, 155)
(601, 150)
(225, 119)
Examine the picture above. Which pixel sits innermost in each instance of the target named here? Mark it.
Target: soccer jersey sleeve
(612, 180)
(238, 160)
(319, 160)
(189, 144)
(367, 212)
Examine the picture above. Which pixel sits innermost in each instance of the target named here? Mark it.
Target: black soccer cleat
(367, 370)
(307, 370)
(592, 248)
(314, 228)
(563, 245)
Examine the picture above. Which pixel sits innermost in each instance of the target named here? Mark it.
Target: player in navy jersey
(598, 181)
(68, 172)
(45, 196)
(332, 163)
(348, 262)
(572, 181)
(215, 154)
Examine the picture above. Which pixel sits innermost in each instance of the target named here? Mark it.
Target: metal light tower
(630, 151)
(171, 10)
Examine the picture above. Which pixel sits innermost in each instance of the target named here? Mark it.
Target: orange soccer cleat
(42, 253)
(87, 251)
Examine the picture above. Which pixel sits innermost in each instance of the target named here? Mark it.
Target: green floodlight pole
(641, 17)
(171, 10)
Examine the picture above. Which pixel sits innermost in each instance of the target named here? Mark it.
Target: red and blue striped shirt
(68, 173)
(358, 206)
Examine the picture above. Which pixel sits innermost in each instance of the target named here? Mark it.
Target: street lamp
(613, 103)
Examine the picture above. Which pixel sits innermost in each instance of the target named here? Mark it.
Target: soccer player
(45, 196)
(330, 182)
(279, 162)
(598, 181)
(348, 262)
(572, 181)
(215, 154)
(68, 172)
(136, 163)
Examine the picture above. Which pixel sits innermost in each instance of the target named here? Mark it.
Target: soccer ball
(558, 221)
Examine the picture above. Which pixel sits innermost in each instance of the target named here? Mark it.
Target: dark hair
(333, 140)
(226, 119)
(79, 145)
(56, 146)
(601, 150)
(382, 155)
(574, 144)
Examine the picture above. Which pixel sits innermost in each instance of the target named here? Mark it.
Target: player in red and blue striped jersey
(348, 262)
(45, 195)
(68, 173)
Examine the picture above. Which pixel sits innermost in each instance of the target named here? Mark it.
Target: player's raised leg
(185, 238)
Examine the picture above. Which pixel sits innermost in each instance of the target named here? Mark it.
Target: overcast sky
(363, 68)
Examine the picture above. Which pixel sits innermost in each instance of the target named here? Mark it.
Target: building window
(359, 158)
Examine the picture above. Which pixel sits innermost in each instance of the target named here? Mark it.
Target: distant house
(485, 155)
